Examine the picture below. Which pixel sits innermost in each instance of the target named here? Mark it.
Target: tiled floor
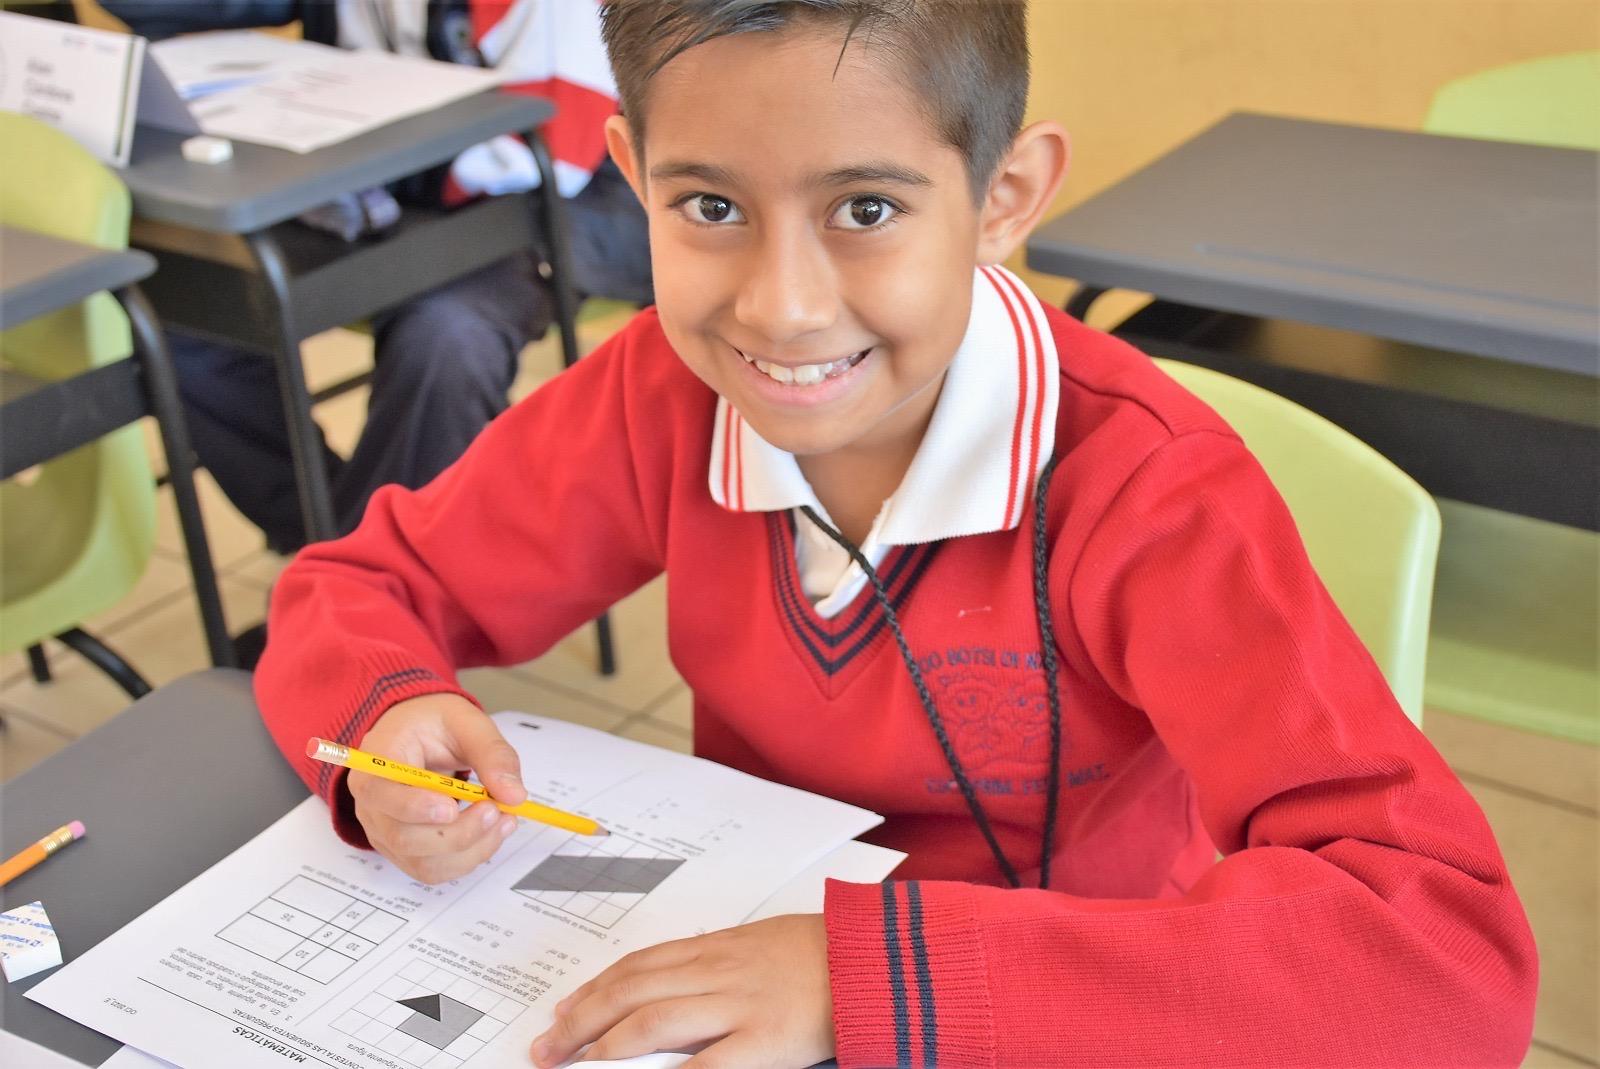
(1541, 795)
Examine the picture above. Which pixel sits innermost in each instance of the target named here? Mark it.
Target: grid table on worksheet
(312, 929)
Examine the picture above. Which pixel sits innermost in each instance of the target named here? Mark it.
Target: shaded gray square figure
(599, 874)
(438, 1020)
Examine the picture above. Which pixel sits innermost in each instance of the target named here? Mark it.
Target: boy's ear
(1022, 189)
(619, 141)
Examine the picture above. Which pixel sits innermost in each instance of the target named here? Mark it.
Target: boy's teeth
(805, 374)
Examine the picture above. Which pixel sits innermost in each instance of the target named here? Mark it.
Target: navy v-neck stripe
(869, 604)
(795, 609)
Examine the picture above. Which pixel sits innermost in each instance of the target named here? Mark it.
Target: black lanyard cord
(1047, 665)
(1047, 659)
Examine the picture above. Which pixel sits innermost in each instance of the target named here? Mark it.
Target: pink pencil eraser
(77, 829)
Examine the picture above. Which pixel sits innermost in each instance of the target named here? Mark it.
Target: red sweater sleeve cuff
(388, 678)
(908, 974)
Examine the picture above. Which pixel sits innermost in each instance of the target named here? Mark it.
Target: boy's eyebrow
(864, 172)
(709, 173)
(871, 172)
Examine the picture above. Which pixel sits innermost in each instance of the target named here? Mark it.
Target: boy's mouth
(805, 374)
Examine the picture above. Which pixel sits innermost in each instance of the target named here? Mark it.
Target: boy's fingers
(666, 1025)
(486, 752)
(598, 1008)
(669, 955)
(400, 802)
(443, 867)
(738, 1051)
(463, 833)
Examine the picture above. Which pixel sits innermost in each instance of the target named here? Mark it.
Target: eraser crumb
(206, 149)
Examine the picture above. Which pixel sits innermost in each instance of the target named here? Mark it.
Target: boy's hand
(426, 833)
(758, 993)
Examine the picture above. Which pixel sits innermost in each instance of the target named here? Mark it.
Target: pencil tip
(601, 831)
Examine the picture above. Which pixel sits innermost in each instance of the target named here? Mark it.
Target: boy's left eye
(863, 213)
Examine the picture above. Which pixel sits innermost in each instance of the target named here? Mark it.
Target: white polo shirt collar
(992, 432)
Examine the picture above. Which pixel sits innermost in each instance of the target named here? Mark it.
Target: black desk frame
(295, 283)
(44, 420)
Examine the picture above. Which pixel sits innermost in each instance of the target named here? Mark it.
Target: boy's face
(807, 224)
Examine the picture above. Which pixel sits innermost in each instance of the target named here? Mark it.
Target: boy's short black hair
(965, 61)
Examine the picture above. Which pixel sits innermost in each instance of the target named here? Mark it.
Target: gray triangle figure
(424, 1004)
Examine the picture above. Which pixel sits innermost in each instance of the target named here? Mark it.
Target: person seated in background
(444, 360)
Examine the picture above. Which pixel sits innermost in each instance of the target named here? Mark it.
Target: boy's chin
(802, 441)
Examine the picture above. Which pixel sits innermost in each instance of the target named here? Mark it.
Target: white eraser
(206, 149)
(27, 942)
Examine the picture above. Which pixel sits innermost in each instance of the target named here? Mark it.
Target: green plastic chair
(1514, 623)
(1515, 635)
(75, 533)
(1550, 101)
(1371, 532)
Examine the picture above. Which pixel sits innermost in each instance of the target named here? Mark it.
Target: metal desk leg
(38, 665)
(1077, 305)
(608, 655)
(554, 217)
(161, 384)
(310, 476)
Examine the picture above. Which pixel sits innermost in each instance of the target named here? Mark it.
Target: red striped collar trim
(991, 434)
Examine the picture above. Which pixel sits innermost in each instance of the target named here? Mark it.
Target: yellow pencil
(360, 761)
(31, 855)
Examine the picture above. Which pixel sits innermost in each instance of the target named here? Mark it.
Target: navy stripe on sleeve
(379, 688)
(919, 956)
(897, 980)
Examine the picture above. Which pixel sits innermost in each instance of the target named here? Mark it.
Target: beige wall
(1132, 78)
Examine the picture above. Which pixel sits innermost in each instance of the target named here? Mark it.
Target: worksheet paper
(298, 948)
(300, 95)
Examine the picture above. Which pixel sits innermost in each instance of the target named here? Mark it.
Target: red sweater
(1212, 694)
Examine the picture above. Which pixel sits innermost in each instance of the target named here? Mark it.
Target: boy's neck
(852, 491)
(854, 482)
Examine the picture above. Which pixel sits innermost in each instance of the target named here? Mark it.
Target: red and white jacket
(552, 50)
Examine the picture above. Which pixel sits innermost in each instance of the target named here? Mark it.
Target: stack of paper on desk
(298, 946)
(300, 95)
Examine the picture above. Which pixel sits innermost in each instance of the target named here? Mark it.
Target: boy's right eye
(709, 209)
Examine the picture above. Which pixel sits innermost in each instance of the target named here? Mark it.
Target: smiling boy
(939, 551)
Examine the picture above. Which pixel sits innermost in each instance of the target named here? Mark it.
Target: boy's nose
(789, 290)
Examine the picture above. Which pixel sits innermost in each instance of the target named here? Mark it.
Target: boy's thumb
(487, 753)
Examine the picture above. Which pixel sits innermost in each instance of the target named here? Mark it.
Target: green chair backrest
(1371, 532)
(1549, 101)
(76, 533)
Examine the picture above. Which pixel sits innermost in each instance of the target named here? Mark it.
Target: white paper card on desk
(83, 82)
(28, 942)
(297, 945)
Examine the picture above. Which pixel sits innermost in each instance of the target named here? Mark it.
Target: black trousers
(443, 364)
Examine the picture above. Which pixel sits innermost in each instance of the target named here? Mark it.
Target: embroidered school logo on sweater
(998, 715)
(995, 722)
